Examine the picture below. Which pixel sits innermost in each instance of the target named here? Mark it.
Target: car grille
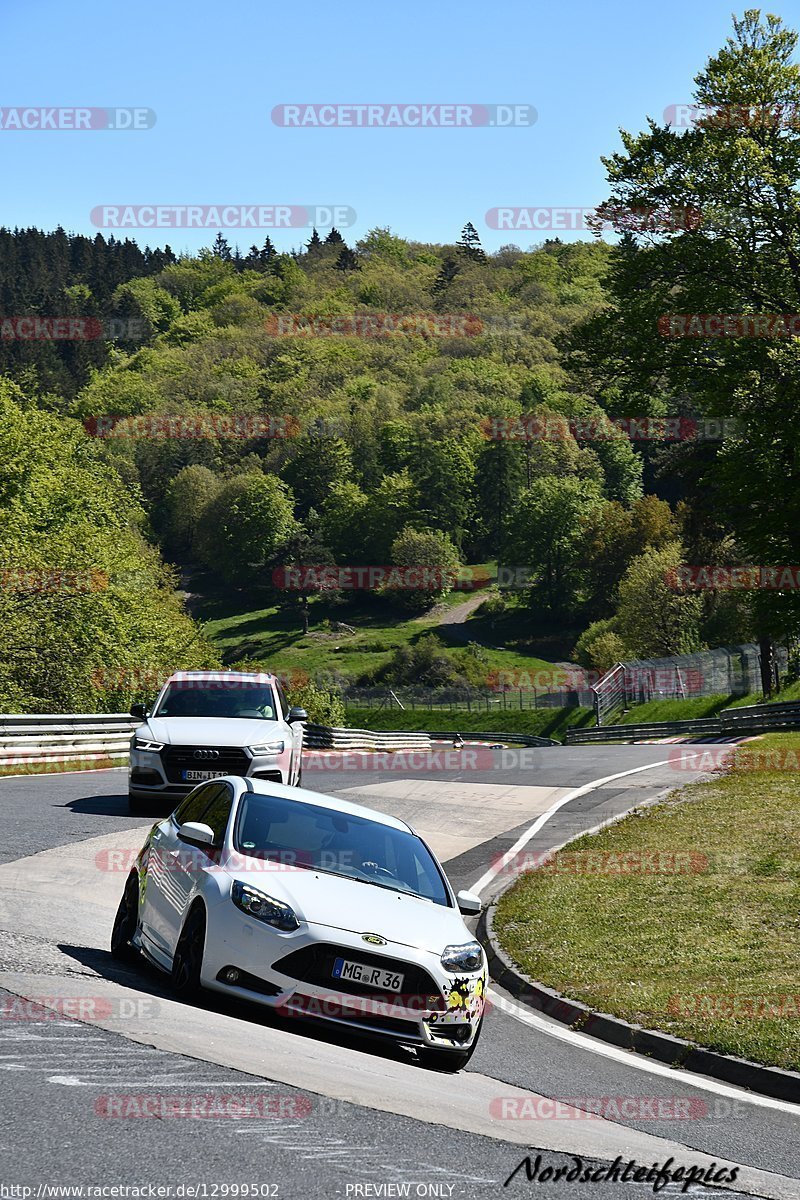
(177, 759)
(314, 964)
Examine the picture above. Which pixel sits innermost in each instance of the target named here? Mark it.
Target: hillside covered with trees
(393, 402)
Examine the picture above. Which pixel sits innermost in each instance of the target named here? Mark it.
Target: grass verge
(56, 768)
(708, 953)
(543, 722)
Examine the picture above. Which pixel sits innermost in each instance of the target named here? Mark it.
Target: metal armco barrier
(753, 718)
(95, 737)
(634, 733)
(324, 737)
(64, 737)
(758, 718)
(517, 739)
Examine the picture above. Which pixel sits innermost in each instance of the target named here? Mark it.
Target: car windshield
(301, 836)
(201, 698)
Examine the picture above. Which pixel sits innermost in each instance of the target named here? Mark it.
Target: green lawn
(543, 722)
(713, 954)
(247, 624)
(55, 768)
(695, 706)
(673, 710)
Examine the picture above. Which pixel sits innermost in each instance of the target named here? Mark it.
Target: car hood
(333, 902)
(211, 731)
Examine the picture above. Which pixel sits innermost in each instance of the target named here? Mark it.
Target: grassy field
(518, 631)
(246, 625)
(673, 710)
(709, 953)
(544, 722)
(57, 768)
(696, 706)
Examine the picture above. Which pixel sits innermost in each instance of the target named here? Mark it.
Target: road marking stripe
(531, 832)
(630, 1059)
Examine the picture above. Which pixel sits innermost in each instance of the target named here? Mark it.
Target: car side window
(284, 703)
(219, 810)
(195, 804)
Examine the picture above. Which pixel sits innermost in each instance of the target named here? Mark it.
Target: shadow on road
(141, 976)
(109, 806)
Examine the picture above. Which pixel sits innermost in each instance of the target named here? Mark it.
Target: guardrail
(654, 729)
(324, 737)
(56, 737)
(35, 738)
(731, 722)
(517, 739)
(758, 718)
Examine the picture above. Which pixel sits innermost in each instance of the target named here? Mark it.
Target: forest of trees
(64, 275)
(422, 441)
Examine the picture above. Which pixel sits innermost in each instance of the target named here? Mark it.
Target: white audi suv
(205, 724)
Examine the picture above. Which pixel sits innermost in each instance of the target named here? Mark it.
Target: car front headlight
(141, 743)
(263, 907)
(267, 748)
(468, 957)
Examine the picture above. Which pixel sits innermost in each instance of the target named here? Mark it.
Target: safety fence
(723, 671)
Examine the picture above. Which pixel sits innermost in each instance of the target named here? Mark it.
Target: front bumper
(160, 773)
(434, 1009)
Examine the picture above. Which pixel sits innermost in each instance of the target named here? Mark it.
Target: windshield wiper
(397, 886)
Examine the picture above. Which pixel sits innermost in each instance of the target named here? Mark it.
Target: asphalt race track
(307, 1112)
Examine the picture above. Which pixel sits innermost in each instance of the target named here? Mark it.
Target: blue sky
(213, 73)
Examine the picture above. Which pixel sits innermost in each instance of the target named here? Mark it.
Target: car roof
(264, 787)
(223, 676)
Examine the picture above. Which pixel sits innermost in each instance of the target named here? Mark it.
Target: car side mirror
(295, 715)
(196, 834)
(139, 710)
(469, 904)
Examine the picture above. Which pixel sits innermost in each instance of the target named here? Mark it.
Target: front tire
(187, 962)
(125, 921)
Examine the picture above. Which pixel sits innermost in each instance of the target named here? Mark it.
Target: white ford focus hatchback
(311, 906)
